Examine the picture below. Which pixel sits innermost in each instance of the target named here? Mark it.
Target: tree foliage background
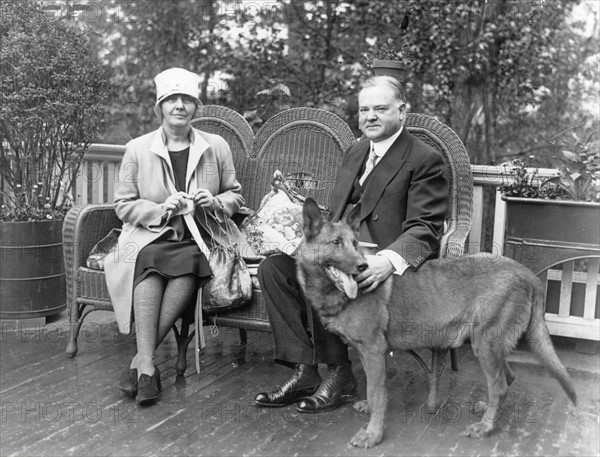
(507, 76)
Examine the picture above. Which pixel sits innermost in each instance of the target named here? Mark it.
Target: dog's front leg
(362, 406)
(374, 366)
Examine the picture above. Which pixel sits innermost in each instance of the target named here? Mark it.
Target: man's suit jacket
(405, 200)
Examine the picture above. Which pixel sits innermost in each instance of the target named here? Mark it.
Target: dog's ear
(353, 217)
(313, 219)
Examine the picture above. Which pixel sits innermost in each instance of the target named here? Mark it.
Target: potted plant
(549, 220)
(389, 60)
(53, 90)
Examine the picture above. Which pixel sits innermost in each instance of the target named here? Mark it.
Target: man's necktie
(371, 162)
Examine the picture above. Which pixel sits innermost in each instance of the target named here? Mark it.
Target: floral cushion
(105, 246)
(277, 225)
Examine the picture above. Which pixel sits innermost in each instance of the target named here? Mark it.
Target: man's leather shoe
(304, 382)
(128, 382)
(338, 387)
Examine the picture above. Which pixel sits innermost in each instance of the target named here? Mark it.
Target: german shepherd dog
(490, 301)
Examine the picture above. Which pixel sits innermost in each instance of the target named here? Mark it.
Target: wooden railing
(99, 174)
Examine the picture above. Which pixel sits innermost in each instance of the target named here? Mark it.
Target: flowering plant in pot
(389, 60)
(552, 219)
(53, 90)
(578, 177)
(579, 168)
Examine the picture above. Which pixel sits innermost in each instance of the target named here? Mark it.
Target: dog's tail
(538, 338)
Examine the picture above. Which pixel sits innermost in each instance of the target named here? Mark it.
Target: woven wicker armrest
(460, 180)
(83, 227)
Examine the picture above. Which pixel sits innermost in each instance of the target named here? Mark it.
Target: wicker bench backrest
(308, 145)
(231, 126)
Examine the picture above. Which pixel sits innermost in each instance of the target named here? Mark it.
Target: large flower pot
(540, 233)
(32, 271)
(392, 68)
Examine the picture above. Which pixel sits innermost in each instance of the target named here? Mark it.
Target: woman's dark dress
(174, 258)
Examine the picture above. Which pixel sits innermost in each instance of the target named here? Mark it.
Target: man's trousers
(297, 331)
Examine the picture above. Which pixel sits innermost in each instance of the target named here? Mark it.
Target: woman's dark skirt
(172, 259)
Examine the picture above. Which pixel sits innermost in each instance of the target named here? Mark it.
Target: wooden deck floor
(55, 406)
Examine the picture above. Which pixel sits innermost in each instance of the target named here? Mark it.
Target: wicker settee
(307, 145)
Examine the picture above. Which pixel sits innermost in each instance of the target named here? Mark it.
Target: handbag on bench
(230, 286)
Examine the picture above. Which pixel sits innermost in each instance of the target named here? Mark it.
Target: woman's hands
(180, 200)
(204, 198)
(175, 202)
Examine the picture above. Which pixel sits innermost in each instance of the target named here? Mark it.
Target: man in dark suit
(401, 186)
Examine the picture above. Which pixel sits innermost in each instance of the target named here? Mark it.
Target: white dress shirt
(381, 148)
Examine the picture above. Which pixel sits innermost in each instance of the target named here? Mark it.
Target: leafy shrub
(578, 179)
(525, 183)
(53, 90)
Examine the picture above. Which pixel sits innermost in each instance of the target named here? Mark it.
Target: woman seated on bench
(158, 267)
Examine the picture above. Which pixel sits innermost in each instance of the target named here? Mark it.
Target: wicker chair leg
(78, 315)
(240, 351)
(181, 364)
(438, 357)
(74, 326)
(183, 339)
(453, 359)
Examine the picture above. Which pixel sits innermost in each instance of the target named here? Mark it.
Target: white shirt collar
(381, 147)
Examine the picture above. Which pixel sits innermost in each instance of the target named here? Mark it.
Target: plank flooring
(56, 406)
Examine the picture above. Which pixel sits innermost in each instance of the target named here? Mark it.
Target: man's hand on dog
(378, 271)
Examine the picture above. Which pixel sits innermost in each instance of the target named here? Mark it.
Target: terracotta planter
(539, 233)
(32, 271)
(392, 68)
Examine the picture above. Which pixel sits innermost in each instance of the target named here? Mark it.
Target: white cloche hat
(176, 81)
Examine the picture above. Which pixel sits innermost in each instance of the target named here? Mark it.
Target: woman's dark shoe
(128, 382)
(149, 388)
(338, 387)
(304, 382)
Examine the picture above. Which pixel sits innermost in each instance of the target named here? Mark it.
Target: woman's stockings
(158, 302)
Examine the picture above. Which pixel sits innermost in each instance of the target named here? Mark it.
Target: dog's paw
(365, 439)
(362, 406)
(432, 408)
(480, 407)
(478, 430)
